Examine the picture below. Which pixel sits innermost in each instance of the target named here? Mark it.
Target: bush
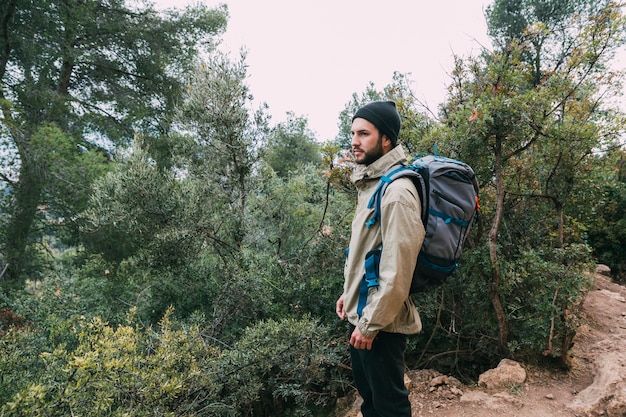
(278, 368)
(541, 294)
(285, 367)
(607, 231)
(543, 302)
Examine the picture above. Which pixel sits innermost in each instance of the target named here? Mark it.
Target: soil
(595, 384)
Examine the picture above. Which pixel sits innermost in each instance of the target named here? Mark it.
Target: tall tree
(94, 72)
(184, 225)
(535, 135)
(547, 26)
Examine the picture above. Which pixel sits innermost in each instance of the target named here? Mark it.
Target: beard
(372, 155)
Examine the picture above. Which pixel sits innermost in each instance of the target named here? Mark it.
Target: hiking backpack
(448, 192)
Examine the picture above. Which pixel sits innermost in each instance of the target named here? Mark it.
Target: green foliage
(532, 146)
(129, 370)
(227, 243)
(120, 371)
(549, 26)
(176, 226)
(50, 311)
(101, 286)
(548, 289)
(508, 20)
(305, 225)
(542, 295)
(212, 231)
(291, 145)
(19, 361)
(78, 79)
(289, 367)
(129, 207)
(607, 218)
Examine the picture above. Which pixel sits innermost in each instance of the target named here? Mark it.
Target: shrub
(286, 367)
(278, 368)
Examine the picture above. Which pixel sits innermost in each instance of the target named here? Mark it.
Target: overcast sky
(310, 56)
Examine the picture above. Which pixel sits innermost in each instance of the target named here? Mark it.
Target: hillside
(594, 386)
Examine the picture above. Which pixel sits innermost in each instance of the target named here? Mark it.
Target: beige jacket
(400, 232)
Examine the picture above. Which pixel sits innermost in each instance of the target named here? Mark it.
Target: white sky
(310, 56)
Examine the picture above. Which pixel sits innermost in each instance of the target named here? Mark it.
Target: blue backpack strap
(385, 180)
(447, 219)
(370, 278)
(374, 202)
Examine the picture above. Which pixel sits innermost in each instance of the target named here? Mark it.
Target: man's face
(367, 142)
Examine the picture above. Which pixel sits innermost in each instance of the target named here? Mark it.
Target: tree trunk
(26, 200)
(493, 248)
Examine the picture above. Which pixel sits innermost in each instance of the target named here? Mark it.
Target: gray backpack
(449, 195)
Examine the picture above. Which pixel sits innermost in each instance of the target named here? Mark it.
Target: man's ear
(387, 144)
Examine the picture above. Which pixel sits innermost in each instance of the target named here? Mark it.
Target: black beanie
(384, 116)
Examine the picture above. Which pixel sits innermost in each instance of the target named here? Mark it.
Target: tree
(545, 24)
(179, 229)
(291, 145)
(88, 74)
(531, 140)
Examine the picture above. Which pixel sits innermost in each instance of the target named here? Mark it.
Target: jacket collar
(377, 168)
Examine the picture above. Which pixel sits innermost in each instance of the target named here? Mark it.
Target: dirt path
(595, 386)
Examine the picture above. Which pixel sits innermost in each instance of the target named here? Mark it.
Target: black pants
(379, 376)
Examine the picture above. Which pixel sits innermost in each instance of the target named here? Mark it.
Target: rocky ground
(594, 386)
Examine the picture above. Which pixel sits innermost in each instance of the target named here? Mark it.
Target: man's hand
(358, 341)
(340, 309)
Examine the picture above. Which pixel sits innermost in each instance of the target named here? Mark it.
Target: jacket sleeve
(402, 234)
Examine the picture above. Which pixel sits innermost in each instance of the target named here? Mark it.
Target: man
(380, 311)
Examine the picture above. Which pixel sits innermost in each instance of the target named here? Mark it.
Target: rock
(357, 403)
(506, 374)
(448, 395)
(474, 396)
(453, 381)
(440, 380)
(606, 396)
(603, 270)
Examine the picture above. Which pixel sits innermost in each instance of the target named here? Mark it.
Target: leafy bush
(545, 293)
(19, 361)
(607, 224)
(284, 368)
(287, 366)
(542, 295)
